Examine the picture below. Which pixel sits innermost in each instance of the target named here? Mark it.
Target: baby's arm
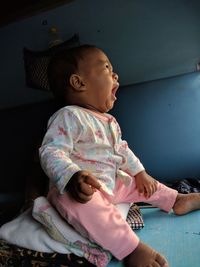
(82, 186)
(57, 147)
(145, 184)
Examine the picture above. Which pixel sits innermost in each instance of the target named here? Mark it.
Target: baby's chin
(106, 107)
(109, 105)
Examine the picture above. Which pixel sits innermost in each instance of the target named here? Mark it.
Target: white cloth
(48, 232)
(26, 232)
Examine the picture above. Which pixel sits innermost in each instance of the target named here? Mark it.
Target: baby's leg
(167, 198)
(164, 197)
(186, 203)
(101, 222)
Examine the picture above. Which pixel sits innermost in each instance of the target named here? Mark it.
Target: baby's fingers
(87, 189)
(154, 187)
(150, 190)
(141, 189)
(92, 182)
(83, 198)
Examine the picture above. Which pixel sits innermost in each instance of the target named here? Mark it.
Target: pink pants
(101, 222)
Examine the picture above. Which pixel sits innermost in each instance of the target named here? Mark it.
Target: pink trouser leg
(101, 222)
(164, 198)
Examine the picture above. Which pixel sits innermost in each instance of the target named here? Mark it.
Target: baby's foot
(186, 203)
(145, 256)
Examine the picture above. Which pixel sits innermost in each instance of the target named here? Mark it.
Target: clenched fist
(82, 186)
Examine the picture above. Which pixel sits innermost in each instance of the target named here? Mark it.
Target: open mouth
(114, 90)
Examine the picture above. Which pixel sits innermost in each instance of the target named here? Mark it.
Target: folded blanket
(62, 232)
(48, 232)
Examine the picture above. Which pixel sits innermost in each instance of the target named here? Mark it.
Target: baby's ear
(77, 83)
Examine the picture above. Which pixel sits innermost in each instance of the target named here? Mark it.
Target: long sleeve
(130, 163)
(63, 130)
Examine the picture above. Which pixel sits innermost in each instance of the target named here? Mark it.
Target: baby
(91, 169)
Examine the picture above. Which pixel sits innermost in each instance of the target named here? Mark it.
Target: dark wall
(161, 121)
(145, 40)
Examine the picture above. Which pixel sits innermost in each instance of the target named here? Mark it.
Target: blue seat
(176, 237)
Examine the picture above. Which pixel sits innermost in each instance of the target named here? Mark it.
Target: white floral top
(81, 139)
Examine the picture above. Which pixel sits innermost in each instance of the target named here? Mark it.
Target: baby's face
(100, 81)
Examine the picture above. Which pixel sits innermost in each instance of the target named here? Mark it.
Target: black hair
(61, 66)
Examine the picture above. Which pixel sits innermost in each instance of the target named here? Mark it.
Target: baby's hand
(145, 184)
(82, 186)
